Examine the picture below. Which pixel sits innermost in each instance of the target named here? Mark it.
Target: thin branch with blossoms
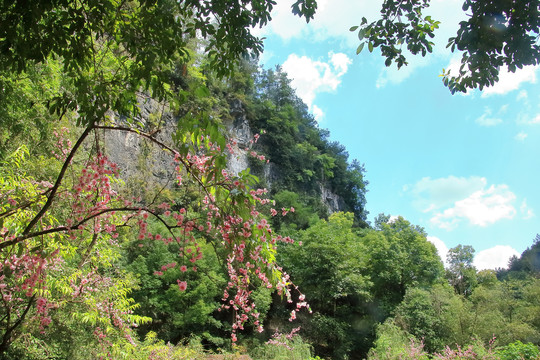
(228, 219)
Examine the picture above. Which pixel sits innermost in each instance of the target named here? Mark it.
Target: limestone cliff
(148, 166)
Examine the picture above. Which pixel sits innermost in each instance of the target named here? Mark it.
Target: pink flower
(183, 268)
(182, 285)
(293, 315)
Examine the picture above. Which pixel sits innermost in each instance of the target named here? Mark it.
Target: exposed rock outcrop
(145, 161)
(134, 155)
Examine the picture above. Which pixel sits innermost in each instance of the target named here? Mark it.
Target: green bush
(518, 351)
(283, 347)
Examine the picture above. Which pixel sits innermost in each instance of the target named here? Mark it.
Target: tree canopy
(496, 34)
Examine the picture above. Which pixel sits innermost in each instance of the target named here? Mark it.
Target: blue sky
(464, 167)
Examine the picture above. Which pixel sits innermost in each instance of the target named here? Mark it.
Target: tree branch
(59, 179)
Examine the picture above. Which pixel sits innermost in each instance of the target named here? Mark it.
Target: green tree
(328, 267)
(461, 272)
(419, 317)
(518, 351)
(113, 56)
(398, 257)
(528, 262)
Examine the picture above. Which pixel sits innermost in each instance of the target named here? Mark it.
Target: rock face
(136, 156)
(240, 131)
(241, 134)
(333, 202)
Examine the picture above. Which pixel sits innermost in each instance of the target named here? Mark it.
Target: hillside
(162, 199)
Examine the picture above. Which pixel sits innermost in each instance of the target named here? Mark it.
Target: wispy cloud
(535, 120)
(495, 257)
(487, 118)
(526, 118)
(522, 95)
(434, 194)
(526, 211)
(521, 136)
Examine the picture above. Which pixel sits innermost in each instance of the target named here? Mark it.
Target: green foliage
(283, 347)
(305, 211)
(176, 315)
(411, 28)
(398, 257)
(393, 343)
(518, 351)
(461, 273)
(527, 264)
(25, 118)
(494, 34)
(327, 263)
(421, 319)
(156, 349)
(300, 153)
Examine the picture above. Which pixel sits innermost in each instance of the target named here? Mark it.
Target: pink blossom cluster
(23, 277)
(63, 144)
(280, 339)
(92, 196)
(230, 219)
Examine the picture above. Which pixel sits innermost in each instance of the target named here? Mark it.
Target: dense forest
(188, 259)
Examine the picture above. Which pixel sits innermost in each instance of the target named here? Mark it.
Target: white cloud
(318, 114)
(507, 81)
(484, 207)
(495, 257)
(453, 200)
(521, 136)
(340, 62)
(487, 120)
(511, 81)
(442, 249)
(526, 211)
(310, 77)
(391, 75)
(536, 120)
(333, 19)
(432, 194)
